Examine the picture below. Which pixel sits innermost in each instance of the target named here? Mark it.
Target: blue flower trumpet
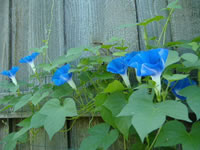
(11, 74)
(62, 75)
(30, 60)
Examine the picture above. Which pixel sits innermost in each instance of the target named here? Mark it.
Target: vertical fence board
(80, 131)
(4, 37)
(30, 23)
(185, 22)
(4, 129)
(95, 21)
(40, 141)
(149, 9)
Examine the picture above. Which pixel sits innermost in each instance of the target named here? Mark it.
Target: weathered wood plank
(4, 38)
(4, 129)
(149, 9)
(40, 140)
(80, 131)
(185, 21)
(30, 23)
(91, 21)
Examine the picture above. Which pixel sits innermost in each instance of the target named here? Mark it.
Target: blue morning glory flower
(30, 60)
(119, 66)
(150, 63)
(176, 86)
(62, 76)
(11, 74)
(129, 56)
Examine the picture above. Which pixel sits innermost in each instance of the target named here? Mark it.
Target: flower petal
(10, 72)
(14, 70)
(29, 58)
(179, 85)
(118, 66)
(149, 63)
(61, 75)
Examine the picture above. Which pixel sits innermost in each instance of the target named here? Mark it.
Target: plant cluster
(143, 96)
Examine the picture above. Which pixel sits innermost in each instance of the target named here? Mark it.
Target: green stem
(146, 40)
(163, 33)
(125, 148)
(154, 141)
(199, 77)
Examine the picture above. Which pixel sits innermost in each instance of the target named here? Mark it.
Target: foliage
(144, 95)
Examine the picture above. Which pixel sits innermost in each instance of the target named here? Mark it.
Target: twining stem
(199, 77)
(146, 40)
(125, 148)
(163, 33)
(152, 144)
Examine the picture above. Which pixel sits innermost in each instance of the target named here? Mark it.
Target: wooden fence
(24, 25)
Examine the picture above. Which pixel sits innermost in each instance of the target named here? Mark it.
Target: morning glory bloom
(119, 66)
(30, 60)
(62, 76)
(150, 63)
(176, 86)
(128, 58)
(11, 74)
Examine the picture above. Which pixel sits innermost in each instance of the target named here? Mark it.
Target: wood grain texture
(90, 21)
(185, 22)
(149, 9)
(4, 38)
(4, 129)
(30, 23)
(40, 140)
(80, 131)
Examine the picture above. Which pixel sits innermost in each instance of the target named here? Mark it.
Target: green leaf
(174, 132)
(56, 114)
(147, 21)
(147, 116)
(107, 46)
(193, 98)
(6, 99)
(74, 54)
(174, 4)
(22, 101)
(101, 137)
(100, 99)
(7, 85)
(119, 54)
(172, 58)
(174, 109)
(114, 87)
(10, 142)
(107, 116)
(121, 48)
(37, 120)
(61, 91)
(25, 124)
(123, 124)
(37, 97)
(190, 57)
(195, 46)
(115, 102)
(175, 77)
